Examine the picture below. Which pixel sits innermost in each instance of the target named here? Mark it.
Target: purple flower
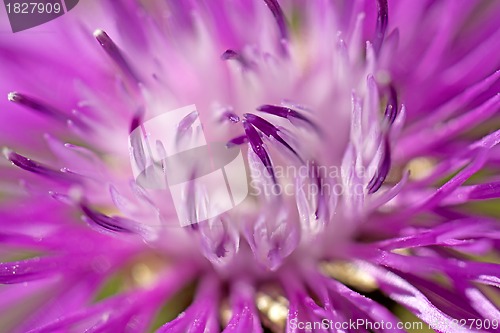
(369, 132)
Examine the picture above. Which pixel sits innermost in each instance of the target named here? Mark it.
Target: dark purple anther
(279, 16)
(391, 110)
(138, 151)
(382, 19)
(187, 121)
(44, 109)
(137, 119)
(239, 140)
(320, 203)
(104, 221)
(37, 106)
(284, 112)
(220, 250)
(486, 191)
(382, 170)
(258, 147)
(115, 54)
(269, 130)
(231, 116)
(232, 55)
(191, 203)
(37, 168)
(185, 124)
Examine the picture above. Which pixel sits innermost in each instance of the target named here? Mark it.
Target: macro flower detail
(365, 201)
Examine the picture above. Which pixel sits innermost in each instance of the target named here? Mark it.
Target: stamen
(320, 202)
(185, 128)
(391, 110)
(239, 140)
(243, 61)
(219, 240)
(63, 198)
(314, 200)
(382, 170)
(44, 109)
(192, 202)
(104, 221)
(140, 157)
(115, 54)
(233, 55)
(221, 251)
(258, 147)
(287, 113)
(36, 105)
(231, 116)
(382, 19)
(230, 54)
(269, 130)
(137, 119)
(185, 124)
(37, 168)
(279, 16)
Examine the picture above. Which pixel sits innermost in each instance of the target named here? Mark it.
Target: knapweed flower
(368, 131)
